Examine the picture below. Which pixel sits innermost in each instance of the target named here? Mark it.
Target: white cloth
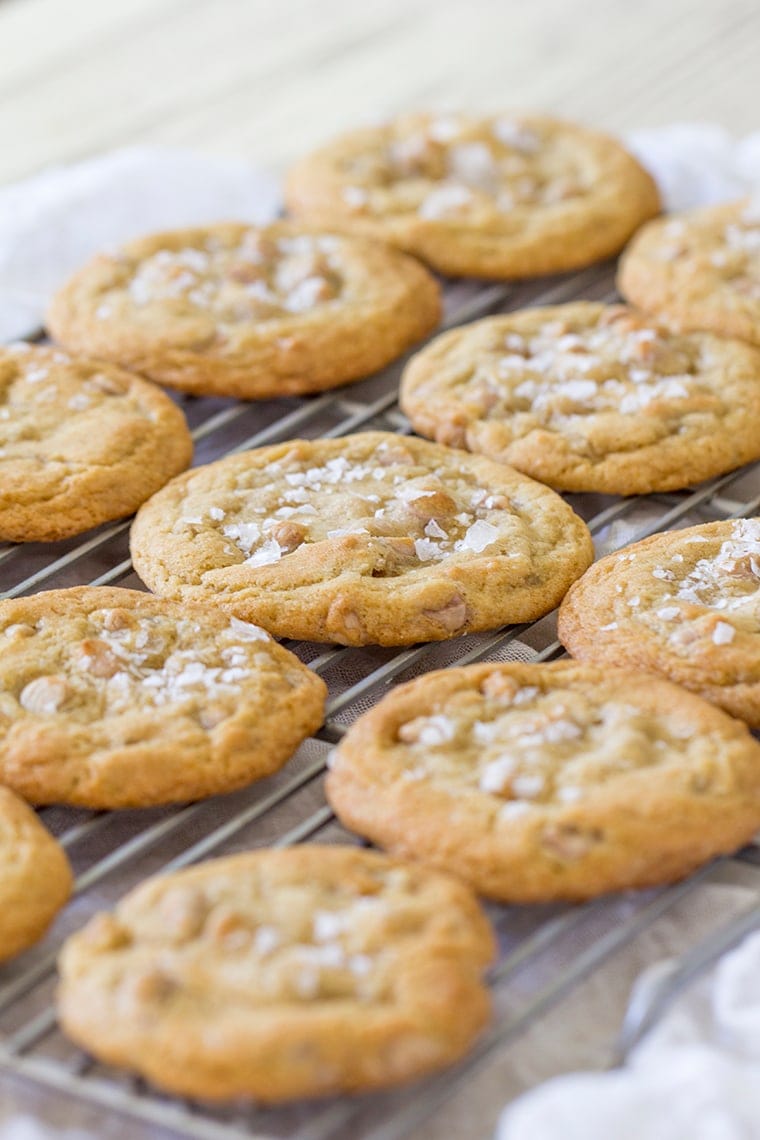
(52, 223)
(694, 1076)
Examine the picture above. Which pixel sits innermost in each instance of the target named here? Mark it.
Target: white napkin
(694, 1076)
(52, 223)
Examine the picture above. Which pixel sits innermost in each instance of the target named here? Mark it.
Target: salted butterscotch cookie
(700, 270)
(247, 311)
(543, 782)
(369, 539)
(35, 877)
(281, 973)
(81, 442)
(589, 397)
(497, 196)
(685, 604)
(111, 698)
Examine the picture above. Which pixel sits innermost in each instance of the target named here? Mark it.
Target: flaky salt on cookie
(699, 270)
(486, 196)
(589, 397)
(536, 783)
(111, 698)
(682, 604)
(368, 539)
(280, 974)
(252, 312)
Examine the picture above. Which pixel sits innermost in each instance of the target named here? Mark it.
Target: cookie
(111, 698)
(497, 196)
(589, 397)
(682, 604)
(368, 539)
(700, 270)
(252, 312)
(35, 877)
(536, 783)
(81, 442)
(281, 973)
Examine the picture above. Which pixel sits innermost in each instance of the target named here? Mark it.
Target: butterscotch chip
(536, 783)
(402, 541)
(81, 442)
(35, 877)
(111, 698)
(699, 270)
(496, 196)
(248, 311)
(309, 971)
(589, 397)
(682, 604)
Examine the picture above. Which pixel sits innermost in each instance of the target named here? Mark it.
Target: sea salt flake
(723, 633)
(247, 631)
(426, 550)
(496, 775)
(268, 552)
(478, 536)
(448, 198)
(433, 530)
(609, 626)
(266, 939)
(528, 787)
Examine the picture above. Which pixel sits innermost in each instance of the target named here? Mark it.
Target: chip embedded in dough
(279, 974)
(81, 443)
(368, 539)
(536, 783)
(589, 397)
(495, 196)
(252, 312)
(699, 270)
(111, 698)
(685, 604)
(35, 877)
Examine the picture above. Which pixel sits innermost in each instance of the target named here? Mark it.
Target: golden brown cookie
(81, 442)
(589, 397)
(543, 782)
(111, 698)
(368, 539)
(281, 973)
(35, 877)
(496, 196)
(685, 604)
(236, 310)
(699, 270)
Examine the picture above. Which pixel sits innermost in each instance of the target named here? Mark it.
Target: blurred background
(269, 79)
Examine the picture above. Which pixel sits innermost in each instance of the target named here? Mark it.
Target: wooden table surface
(271, 78)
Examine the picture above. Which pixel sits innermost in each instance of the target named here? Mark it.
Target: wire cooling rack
(547, 953)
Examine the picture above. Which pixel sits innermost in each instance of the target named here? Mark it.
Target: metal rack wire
(111, 851)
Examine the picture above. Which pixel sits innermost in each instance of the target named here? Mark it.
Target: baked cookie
(699, 269)
(81, 442)
(589, 397)
(110, 698)
(281, 973)
(543, 782)
(35, 877)
(497, 196)
(685, 604)
(253, 312)
(368, 539)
